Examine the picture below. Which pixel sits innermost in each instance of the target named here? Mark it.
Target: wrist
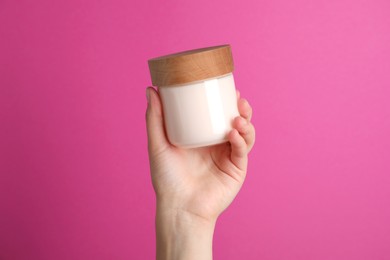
(182, 234)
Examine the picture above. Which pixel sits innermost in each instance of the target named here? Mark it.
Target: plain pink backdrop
(74, 176)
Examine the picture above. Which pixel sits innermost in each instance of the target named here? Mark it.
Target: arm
(181, 235)
(194, 186)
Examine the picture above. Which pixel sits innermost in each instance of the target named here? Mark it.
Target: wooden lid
(192, 65)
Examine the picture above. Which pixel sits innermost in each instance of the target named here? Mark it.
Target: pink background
(74, 176)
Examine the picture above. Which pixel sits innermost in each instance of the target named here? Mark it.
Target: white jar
(198, 95)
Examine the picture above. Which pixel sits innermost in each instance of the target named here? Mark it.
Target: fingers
(242, 137)
(246, 130)
(244, 109)
(243, 124)
(239, 152)
(154, 121)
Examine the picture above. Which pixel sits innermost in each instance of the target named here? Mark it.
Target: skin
(194, 186)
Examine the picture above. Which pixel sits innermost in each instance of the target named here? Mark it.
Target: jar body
(199, 113)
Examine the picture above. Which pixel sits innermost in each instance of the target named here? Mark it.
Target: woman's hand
(194, 186)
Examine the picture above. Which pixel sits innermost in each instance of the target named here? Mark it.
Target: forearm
(182, 235)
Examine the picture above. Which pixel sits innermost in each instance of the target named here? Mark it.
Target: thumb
(154, 121)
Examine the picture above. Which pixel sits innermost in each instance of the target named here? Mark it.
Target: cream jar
(198, 95)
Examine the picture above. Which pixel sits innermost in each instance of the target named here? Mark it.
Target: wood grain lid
(192, 65)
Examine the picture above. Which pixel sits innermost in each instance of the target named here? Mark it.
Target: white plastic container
(198, 95)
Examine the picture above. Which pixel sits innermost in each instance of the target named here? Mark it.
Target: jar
(198, 95)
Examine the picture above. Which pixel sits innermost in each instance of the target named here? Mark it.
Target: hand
(196, 185)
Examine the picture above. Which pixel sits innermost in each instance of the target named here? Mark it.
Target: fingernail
(243, 121)
(148, 95)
